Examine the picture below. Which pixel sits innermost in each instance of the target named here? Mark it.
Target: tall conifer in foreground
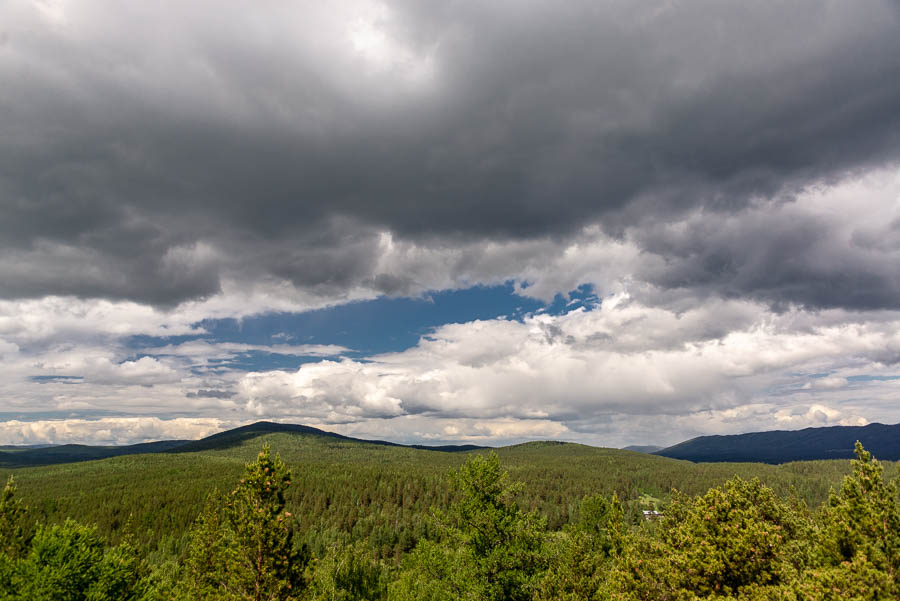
(242, 548)
(13, 533)
(490, 550)
(860, 540)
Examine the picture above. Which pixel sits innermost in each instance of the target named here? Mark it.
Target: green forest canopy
(376, 521)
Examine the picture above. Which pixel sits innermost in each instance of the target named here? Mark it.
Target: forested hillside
(381, 493)
(28, 456)
(371, 521)
(782, 446)
(71, 453)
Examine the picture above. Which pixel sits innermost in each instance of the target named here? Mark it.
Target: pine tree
(348, 572)
(13, 532)
(70, 562)
(490, 549)
(582, 555)
(210, 555)
(864, 517)
(860, 541)
(243, 547)
(736, 541)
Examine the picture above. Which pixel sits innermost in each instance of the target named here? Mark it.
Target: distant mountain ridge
(783, 446)
(11, 456)
(22, 456)
(643, 448)
(780, 446)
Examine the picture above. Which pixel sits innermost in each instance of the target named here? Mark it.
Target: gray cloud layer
(724, 173)
(155, 153)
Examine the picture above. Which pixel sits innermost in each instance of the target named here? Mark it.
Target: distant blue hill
(782, 446)
(21, 456)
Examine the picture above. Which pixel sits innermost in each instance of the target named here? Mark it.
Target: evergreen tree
(736, 541)
(13, 537)
(864, 517)
(13, 532)
(491, 551)
(210, 555)
(348, 572)
(581, 556)
(860, 540)
(70, 562)
(243, 547)
(602, 521)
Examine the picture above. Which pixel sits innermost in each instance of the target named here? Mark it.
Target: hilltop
(24, 456)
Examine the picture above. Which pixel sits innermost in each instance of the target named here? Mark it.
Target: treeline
(739, 541)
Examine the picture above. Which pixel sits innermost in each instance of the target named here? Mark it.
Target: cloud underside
(278, 148)
(725, 175)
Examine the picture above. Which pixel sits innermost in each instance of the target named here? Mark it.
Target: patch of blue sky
(142, 341)
(47, 379)
(371, 327)
(871, 378)
(257, 361)
(856, 378)
(584, 297)
(377, 326)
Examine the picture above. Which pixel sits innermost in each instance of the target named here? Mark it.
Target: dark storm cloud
(211, 394)
(147, 151)
(783, 259)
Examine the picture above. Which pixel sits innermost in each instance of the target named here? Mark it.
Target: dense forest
(336, 519)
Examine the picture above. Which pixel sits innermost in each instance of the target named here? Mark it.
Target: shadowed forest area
(332, 519)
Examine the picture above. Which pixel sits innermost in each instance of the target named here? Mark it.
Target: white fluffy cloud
(110, 430)
(584, 369)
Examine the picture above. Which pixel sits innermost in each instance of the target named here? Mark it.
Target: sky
(602, 221)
